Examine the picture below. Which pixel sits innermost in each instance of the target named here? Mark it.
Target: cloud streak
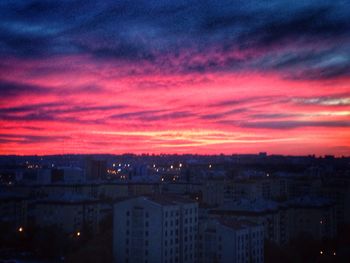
(221, 76)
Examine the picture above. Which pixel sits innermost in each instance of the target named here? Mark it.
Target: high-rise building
(155, 229)
(230, 241)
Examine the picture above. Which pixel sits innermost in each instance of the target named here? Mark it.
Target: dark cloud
(215, 116)
(153, 115)
(57, 111)
(24, 138)
(10, 89)
(16, 89)
(251, 101)
(302, 39)
(272, 115)
(317, 21)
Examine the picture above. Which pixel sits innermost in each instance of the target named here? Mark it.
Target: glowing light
(78, 234)
(334, 253)
(209, 166)
(321, 252)
(180, 165)
(20, 229)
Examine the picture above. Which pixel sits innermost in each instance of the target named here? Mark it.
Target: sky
(203, 77)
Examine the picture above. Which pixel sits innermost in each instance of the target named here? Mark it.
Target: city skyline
(174, 77)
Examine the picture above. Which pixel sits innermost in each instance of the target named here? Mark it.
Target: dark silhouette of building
(95, 169)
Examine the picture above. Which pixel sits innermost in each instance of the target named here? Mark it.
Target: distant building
(273, 216)
(140, 170)
(266, 187)
(231, 241)
(339, 192)
(313, 216)
(213, 191)
(69, 212)
(95, 169)
(13, 209)
(68, 175)
(155, 229)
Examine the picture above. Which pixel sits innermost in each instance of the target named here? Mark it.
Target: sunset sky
(174, 76)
